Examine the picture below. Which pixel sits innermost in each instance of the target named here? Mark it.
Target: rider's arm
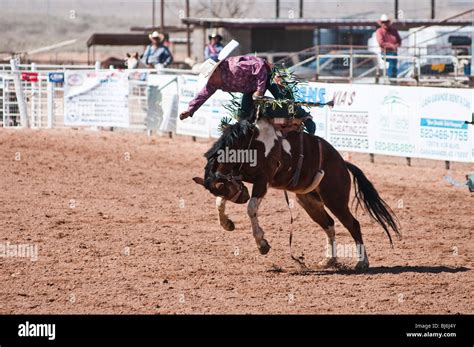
(201, 98)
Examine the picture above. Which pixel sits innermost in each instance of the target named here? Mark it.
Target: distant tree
(224, 8)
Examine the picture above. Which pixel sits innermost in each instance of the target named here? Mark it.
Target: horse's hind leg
(342, 212)
(314, 206)
(224, 220)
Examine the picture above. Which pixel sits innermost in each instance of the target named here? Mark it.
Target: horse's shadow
(378, 270)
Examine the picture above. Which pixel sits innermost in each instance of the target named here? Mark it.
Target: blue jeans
(392, 64)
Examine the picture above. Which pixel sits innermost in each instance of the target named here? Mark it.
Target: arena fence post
(50, 93)
(20, 96)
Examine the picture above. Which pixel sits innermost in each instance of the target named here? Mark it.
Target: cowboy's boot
(310, 126)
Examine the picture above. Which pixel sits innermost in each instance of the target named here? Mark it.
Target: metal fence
(363, 64)
(45, 100)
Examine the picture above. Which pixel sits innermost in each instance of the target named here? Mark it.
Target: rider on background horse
(248, 75)
(157, 53)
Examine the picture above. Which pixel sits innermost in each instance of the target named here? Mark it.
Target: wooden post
(396, 9)
(301, 8)
(408, 161)
(152, 15)
(372, 157)
(162, 19)
(188, 31)
(447, 165)
(432, 9)
(277, 9)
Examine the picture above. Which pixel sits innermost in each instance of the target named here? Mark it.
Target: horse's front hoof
(229, 225)
(263, 247)
(362, 265)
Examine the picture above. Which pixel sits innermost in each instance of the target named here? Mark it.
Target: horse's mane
(230, 134)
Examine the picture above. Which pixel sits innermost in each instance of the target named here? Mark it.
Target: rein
(235, 179)
(294, 182)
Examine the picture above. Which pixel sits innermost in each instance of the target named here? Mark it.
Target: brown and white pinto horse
(276, 163)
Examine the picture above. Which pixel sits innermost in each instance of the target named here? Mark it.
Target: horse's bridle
(235, 180)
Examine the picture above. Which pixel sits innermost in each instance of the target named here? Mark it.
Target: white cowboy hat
(384, 18)
(156, 35)
(215, 35)
(209, 66)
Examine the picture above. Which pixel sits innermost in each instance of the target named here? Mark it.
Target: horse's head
(228, 186)
(222, 175)
(131, 62)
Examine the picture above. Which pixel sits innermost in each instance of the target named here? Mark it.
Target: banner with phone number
(419, 122)
(205, 121)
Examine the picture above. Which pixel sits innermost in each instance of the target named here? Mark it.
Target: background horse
(133, 61)
(277, 166)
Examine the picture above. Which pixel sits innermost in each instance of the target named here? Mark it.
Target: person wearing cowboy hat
(157, 54)
(214, 47)
(249, 75)
(389, 40)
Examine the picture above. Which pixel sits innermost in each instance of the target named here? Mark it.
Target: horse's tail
(367, 196)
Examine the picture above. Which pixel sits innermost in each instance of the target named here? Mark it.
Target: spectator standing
(389, 40)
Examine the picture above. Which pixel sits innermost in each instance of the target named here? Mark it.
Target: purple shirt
(243, 74)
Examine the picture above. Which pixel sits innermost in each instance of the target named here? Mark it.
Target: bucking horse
(297, 162)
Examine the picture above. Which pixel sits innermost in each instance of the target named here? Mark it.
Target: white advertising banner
(443, 133)
(96, 98)
(205, 121)
(403, 121)
(418, 122)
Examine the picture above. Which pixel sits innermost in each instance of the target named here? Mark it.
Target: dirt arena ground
(121, 228)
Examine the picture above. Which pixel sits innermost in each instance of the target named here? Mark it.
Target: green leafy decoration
(224, 123)
(233, 107)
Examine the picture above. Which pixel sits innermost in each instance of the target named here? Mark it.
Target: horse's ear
(128, 55)
(219, 185)
(136, 55)
(198, 180)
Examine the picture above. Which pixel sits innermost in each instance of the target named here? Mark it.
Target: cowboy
(389, 40)
(157, 54)
(214, 47)
(249, 75)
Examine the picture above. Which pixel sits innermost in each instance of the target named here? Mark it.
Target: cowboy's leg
(278, 92)
(310, 126)
(282, 93)
(392, 65)
(246, 106)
